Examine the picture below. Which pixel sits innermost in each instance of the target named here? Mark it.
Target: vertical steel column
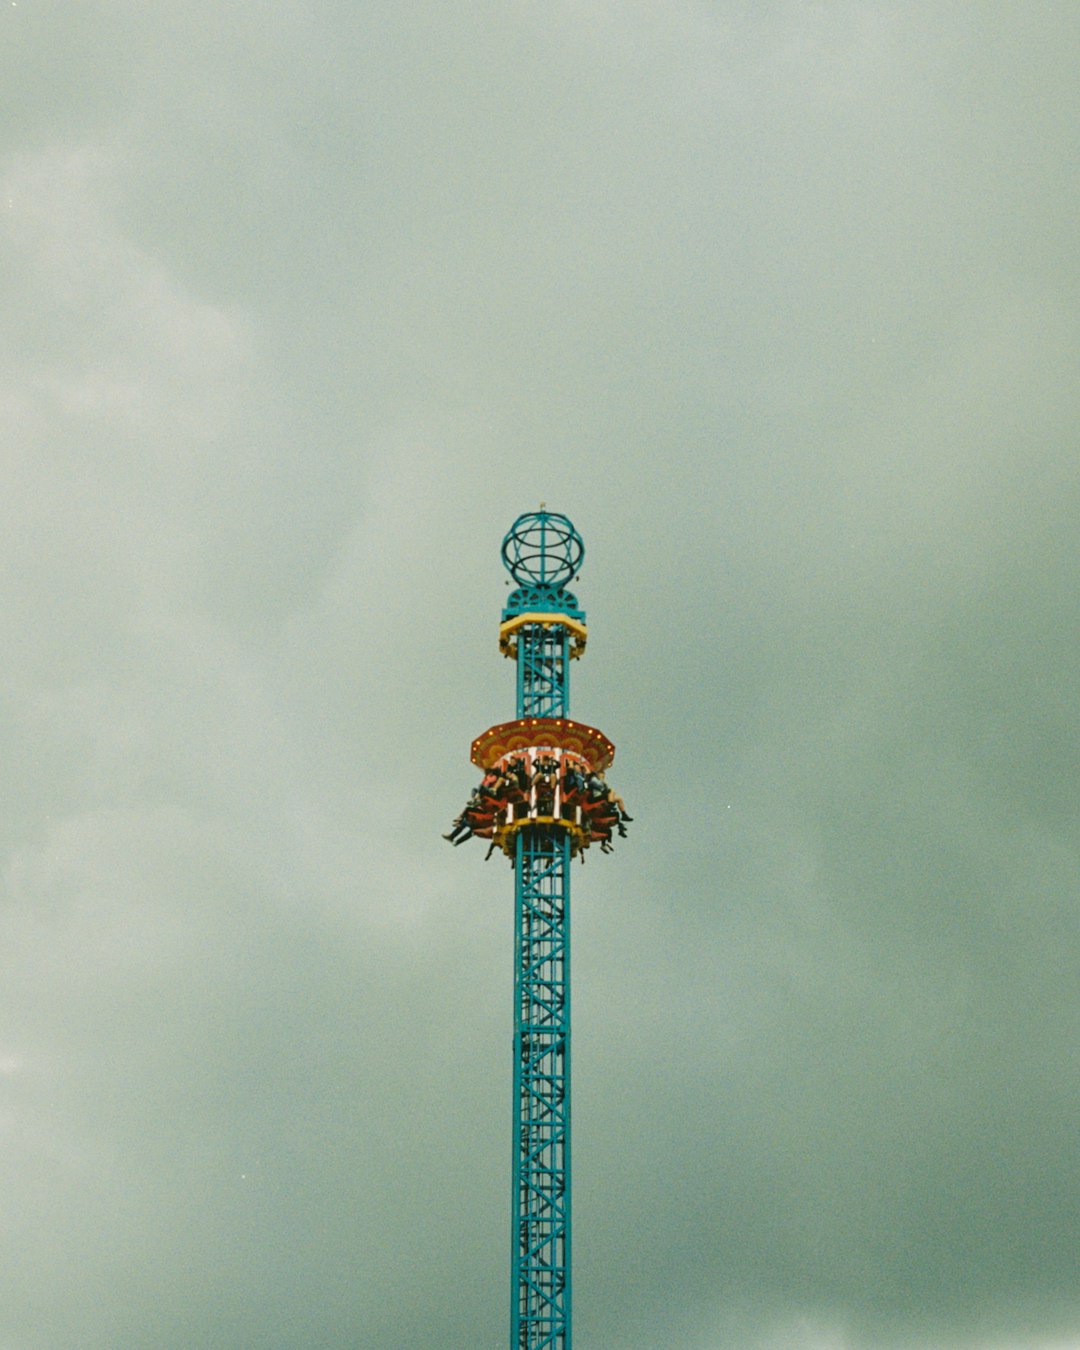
(543, 672)
(540, 1310)
(542, 627)
(541, 1251)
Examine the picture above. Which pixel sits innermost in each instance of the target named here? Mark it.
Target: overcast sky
(301, 306)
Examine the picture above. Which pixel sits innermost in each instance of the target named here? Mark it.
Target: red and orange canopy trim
(546, 733)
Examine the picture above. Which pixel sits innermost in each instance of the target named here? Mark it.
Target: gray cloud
(302, 308)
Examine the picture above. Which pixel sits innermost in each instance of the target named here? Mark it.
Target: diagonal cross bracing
(541, 1258)
(543, 672)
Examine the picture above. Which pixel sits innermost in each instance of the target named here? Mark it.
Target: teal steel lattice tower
(543, 801)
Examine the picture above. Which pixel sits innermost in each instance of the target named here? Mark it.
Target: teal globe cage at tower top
(543, 801)
(542, 548)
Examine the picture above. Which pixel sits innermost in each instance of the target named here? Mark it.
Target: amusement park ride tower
(543, 801)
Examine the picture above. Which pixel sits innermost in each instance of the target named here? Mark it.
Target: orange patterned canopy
(547, 733)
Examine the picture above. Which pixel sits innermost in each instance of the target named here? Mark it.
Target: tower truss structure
(546, 802)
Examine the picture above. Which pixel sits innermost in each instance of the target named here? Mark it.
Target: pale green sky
(302, 305)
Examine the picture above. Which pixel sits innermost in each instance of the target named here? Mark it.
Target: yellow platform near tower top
(508, 631)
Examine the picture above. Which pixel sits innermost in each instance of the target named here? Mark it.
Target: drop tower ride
(543, 801)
